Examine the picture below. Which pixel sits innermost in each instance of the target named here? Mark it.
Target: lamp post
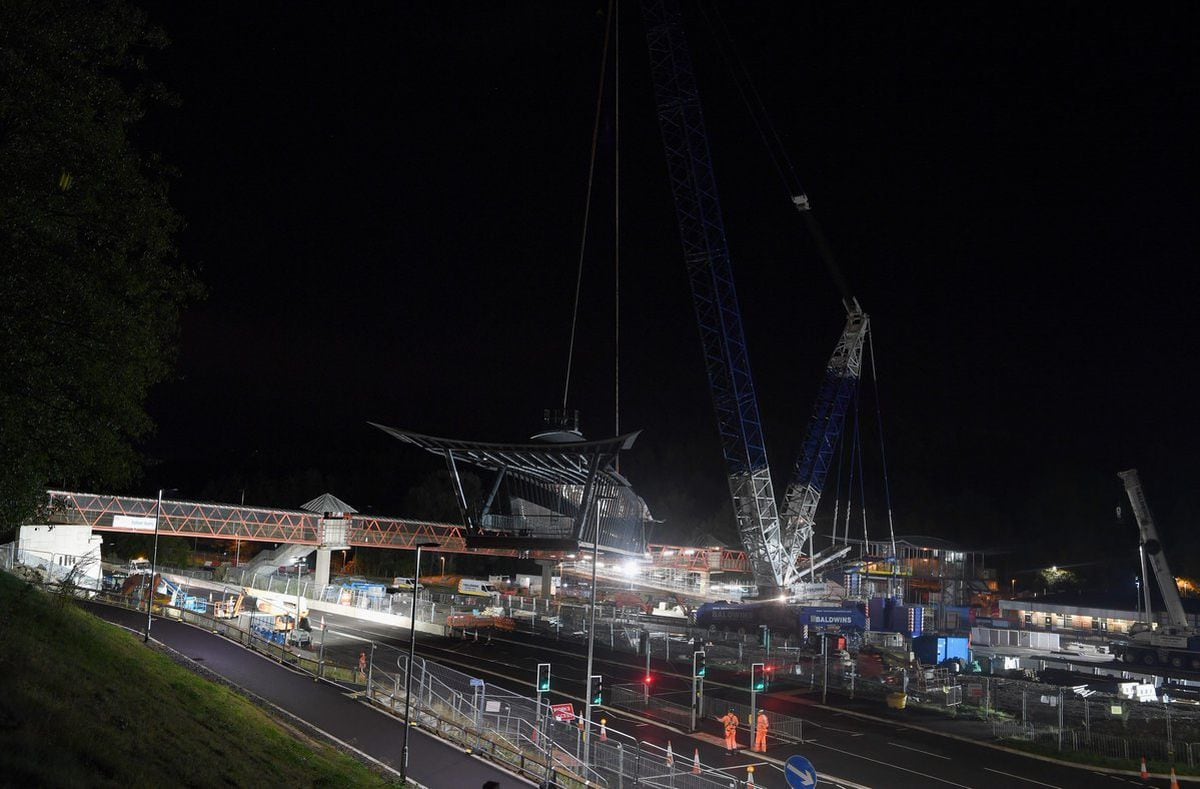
(443, 558)
(412, 654)
(296, 625)
(592, 637)
(153, 563)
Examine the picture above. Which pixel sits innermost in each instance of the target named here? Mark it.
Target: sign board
(841, 617)
(476, 683)
(800, 773)
(492, 706)
(975, 690)
(564, 713)
(133, 522)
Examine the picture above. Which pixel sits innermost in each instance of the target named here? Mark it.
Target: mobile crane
(1176, 644)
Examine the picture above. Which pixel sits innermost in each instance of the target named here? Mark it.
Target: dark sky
(385, 202)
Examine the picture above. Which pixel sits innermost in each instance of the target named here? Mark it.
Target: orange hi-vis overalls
(760, 736)
(731, 723)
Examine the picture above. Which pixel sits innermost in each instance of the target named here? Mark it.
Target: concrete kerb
(948, 735)
(208, 673)
(1004, 748)
(668, 727)
(256, 699)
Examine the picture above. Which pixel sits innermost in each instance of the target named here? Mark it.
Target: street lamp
(296, 625)
(412, 654)
(154, 560)
(443, 558)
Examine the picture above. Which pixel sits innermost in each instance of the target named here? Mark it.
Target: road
(884, 750)
(433, 762)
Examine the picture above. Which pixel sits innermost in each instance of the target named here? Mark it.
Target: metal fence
(1103, 745)
(485, 718)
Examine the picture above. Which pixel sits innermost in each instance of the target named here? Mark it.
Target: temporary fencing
(477, 715)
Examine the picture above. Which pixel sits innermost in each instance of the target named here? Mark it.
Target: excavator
(1176, 644)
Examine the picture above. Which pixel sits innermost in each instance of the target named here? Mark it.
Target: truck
(1176, 644)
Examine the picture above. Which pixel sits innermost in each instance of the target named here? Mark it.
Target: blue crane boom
(838, 388)
(706, 254)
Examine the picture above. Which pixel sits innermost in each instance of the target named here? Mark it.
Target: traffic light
(596, 689)
(647, 679)
(543, 677)
(758, 678)
(698, 668)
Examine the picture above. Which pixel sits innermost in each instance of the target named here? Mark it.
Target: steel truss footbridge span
(210, 520)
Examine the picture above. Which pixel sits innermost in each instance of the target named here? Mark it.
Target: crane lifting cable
(587, 206)
(773, 144)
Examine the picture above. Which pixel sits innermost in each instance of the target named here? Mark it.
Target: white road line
(1021, 778)
(918, 750)
(862, 757)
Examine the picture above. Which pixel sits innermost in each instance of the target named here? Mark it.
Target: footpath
(329, 710)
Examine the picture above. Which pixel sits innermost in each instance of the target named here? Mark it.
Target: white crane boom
(1153, 548)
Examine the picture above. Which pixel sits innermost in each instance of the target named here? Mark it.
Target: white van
(476, 588)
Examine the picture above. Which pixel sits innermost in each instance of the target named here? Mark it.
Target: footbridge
(329, 531)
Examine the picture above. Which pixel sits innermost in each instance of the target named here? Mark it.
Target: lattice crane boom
(706, 254)
(837, 390)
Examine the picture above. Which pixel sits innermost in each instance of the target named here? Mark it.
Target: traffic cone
(604, 730)
(750, 777)
(1174, 780)
(1145, 772)
(696, 763)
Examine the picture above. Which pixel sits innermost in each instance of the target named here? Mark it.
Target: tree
(90, 291)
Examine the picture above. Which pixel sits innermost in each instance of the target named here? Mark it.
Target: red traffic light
(648, 679)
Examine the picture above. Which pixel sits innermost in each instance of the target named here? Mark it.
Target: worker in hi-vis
(731, 723)
(760, 735)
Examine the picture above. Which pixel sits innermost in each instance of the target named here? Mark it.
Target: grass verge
(83, 703)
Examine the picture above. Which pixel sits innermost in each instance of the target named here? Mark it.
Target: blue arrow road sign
(800, 773)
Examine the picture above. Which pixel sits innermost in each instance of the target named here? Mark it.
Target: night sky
(385, 203)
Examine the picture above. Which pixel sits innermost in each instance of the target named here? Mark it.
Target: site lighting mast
(154, 560)
(412, 654)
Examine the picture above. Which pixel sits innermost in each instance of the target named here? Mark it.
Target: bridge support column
(322, 573)
(547, 576)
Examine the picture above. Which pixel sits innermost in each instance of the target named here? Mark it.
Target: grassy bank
(83, 703)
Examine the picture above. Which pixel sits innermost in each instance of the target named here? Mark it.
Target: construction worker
(731, 723)
(362, 664)
(760, 736)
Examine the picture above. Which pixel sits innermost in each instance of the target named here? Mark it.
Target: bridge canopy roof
(549, 463)
(548, 495)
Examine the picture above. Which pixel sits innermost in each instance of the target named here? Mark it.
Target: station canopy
(550, 495)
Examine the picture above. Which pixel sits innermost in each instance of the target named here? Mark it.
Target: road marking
(893, 766)
(918, 750)
(1021, 778)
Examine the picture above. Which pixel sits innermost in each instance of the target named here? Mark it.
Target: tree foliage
(89, 285)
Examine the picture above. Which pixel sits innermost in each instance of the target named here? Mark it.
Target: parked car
(293, 569)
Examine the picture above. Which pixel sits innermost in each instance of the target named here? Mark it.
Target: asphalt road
(326, 706)
(884, 750)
